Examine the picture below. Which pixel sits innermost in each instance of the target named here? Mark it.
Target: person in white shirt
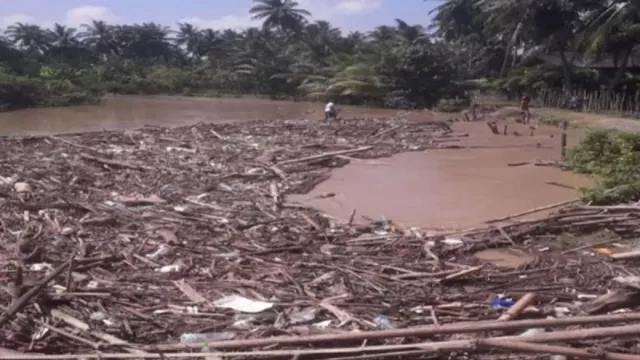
(329, 111)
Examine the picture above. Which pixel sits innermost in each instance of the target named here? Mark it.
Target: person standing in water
(329, 111)
(524, 108)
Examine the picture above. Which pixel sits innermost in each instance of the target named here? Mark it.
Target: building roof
(593, 63)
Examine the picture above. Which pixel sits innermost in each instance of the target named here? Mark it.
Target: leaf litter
(124, 241)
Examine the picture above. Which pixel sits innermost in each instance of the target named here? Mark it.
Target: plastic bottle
(383, 322)
(503, 303)
(189, 338)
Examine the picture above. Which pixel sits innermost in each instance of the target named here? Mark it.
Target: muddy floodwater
(129, 112)
(452, 188)
(440, 189)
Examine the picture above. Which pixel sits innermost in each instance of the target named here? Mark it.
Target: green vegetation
(613, 157)
(399, 65)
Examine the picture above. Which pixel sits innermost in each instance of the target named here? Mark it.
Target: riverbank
(158, 237)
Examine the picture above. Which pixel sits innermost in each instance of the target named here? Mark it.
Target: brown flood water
(434, 189)
(452, 188)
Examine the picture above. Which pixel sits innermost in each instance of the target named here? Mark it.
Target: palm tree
(211, 44)
(614, 30)
(409, 33)
(284, 14)
(321, 39)
(32, 38)
(99, 37)
(63, 36)
(145, 41)
(383, 33)
(190, 37)
(65, 43)
(348, 77)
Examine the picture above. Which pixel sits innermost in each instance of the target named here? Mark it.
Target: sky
(349, 15)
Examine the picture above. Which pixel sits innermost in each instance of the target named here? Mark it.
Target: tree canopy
(512, 45)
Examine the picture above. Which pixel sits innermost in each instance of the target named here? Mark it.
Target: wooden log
(614, 300)
(626, 255)
(427, 347)
(520, 346)
(458, 328)
(324, 155)
(534, 210)
(517, 308)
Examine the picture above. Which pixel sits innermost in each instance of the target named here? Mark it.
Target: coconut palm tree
(32, 38)
(614, 30)
(190, 37)
(409, 33)
(63, 36)
(99, 37)
(284, 14)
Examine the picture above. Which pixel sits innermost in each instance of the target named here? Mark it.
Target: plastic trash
(243, 321)
(605, 251)
(502, 303)
(161, 251)
(190, 338)
(383, 322)
(322, 324)
(22, 187)
(302, 316)
(169, 268)
(533, 331)
(240, 303)
(452, 241)
(97, 316)
(187, 338)
(40, 267)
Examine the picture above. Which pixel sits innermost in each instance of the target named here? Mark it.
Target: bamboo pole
(457, 328)
(519, 346)
(534, 210)
(563, 145)
(517, 308)
(427, 347)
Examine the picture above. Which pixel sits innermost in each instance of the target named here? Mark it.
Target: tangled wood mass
(180, 242)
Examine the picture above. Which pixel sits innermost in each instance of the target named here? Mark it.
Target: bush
(613, 157)
(51, 88)
(452, 105)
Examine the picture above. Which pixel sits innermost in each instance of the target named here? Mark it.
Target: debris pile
(159, 240)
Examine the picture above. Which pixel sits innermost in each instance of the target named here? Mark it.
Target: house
(603, 64)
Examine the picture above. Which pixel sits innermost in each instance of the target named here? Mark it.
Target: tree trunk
(566, 70)
(507, 50)
(622, 67)
(512, 41)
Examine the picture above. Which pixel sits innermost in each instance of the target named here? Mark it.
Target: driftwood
(615, 300)
(532, 211)
(520, 346)
(158, 254)
(518, 307)
(23, 300)
(426, 347)
(324, 155)
(458, 328)
(626, 255)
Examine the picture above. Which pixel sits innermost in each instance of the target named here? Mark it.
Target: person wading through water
(329, 111)
(524, 108)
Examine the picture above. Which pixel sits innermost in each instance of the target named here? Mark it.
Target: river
(440, 189)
